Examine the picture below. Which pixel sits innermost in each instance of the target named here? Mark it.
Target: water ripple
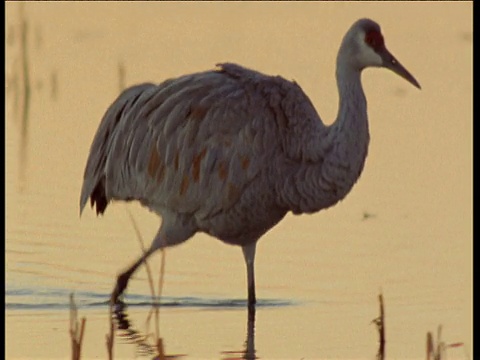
(55, 299)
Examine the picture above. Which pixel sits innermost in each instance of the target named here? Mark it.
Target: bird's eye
(374, 39)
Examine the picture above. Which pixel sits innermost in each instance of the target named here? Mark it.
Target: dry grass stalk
(439, 352)
(380, 322)
(121, 75)
(76, 330)
(155, 307)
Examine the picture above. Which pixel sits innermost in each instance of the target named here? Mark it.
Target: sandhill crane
(229, 152)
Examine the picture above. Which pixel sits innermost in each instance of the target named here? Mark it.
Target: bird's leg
(249, 255)
(122, 280)
(178, 229)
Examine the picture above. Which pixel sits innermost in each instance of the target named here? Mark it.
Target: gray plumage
(231, 151)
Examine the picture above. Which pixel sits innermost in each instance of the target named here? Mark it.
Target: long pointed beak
(393, 64)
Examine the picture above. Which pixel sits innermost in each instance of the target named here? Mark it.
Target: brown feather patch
(196, 164)
(198, 112)
(156, 168)
(232, 192)
(245, 162)
(222, 171)
(184, 185)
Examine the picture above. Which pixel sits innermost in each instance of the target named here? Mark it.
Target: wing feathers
(191, 144)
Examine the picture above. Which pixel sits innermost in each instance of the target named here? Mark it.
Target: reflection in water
(146, 345)
(26, 84)
(25, 95)
(18, 81)
(249, 351)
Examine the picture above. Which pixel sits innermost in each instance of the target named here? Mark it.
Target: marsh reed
(76, 330)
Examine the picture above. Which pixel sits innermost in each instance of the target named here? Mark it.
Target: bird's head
(364, 46)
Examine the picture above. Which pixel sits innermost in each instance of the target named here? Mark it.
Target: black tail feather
(99, 198)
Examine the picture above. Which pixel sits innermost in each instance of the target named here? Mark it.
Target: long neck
(341, 150)
(349, 133)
